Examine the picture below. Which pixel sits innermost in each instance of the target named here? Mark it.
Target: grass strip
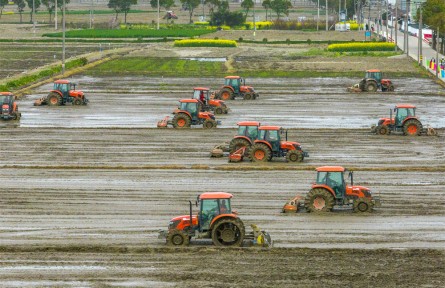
(130, 33)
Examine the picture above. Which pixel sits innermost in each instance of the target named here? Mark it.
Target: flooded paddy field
(86, 189)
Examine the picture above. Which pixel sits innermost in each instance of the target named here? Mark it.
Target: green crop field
(130, 33)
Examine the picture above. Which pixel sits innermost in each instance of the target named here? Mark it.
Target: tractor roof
(269, 128)
(373, 70)
(248, 123)
(6, 93)
(62, 81)
(330, 169)
(232, 77)
(215, 195)
(405, 106)
(188, 101)
(201, 88)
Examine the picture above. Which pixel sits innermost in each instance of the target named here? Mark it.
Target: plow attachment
(40, 101)
(238, 155)
(294, 205)
(259, 237)
(164, 122)
(219, 150)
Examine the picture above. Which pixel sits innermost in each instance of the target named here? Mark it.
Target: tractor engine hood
(182, 221)
(363, 189)
(249, 88)
(206, 115)
(75, 93)
(290, 144)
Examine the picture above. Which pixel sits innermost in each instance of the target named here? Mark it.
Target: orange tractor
(372, 82)
(63, 92)
(269, 144)
(10, 109)
(331, 189)
(404, 122)
(208, 104)
(216, 220)
(240, 143)
(235, 86)
(188, 114)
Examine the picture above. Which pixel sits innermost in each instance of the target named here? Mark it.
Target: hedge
(205, 43)
(361, 46)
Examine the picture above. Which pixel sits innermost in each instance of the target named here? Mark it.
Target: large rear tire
(412, 127)
(177, 238)
(182, 121)
(294, 156)
(226, 94)
(209, 124)
(228, 232)
(371, 87)
(362, 205)
(238, 143)
(319, 200)
(260, 153)
(54, 99)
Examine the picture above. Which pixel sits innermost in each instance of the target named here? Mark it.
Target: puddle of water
(204, 59)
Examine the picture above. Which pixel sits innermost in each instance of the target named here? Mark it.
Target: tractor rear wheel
(228, 232)
(238, 143)
(260, 153)
(209, 124)
(412, 127)
(181, 121)
(248, 96)
(319, 200)
(225, 94)
(54, 99)
(77, 101)
(177, 238)
(371, 87)
(294, 156)
(362, 205)
(382, 130)
(219, 110)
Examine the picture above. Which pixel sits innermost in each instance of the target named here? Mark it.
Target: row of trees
(21, 5)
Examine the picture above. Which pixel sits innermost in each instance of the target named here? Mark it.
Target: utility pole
(254, 24)
(437, 52)
(157, 26)
(339, 7)
(327, 17)
(92, 14)
(33, 17)
(419, 50)
(405, 38)
(63, 38)
(318, 13)
(55, 16)
(387, 21)
(379, 18)
(396, 27)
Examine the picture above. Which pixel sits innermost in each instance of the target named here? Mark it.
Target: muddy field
(85, 189)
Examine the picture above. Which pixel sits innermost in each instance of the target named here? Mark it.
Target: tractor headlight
(298, 147)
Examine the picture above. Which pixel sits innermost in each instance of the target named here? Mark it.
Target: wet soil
(86, 189)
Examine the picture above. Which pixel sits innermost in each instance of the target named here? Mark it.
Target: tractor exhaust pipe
(351, 175)
(191, 213)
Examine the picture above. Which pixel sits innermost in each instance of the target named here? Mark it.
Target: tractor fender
(228, 87)
(326, 187)
(243, 137)
(220, 216)
(411, 118)
(184, 112)
(264, 142)
(56, 91)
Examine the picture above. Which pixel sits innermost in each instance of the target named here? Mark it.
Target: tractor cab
(272, 135)
(374, 74)
(402, 112)
(9, 108)
(202, 94)
(248, 129)
(192, 106)
(235, 82)
(333, 177)
(212, 205)
(64, 86)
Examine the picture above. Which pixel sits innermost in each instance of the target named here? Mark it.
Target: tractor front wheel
(319, 200)
(391, 88)
(228, 232)
(294, 156)
(177, 238)
(218, 110)
(54, 99)
(260, 153)
(362, 205)
(371, 87)
(181, 121)
(412, 127)
(209, 124)
(226, 94)
(248, 96)
(382, 130)
(77, 101)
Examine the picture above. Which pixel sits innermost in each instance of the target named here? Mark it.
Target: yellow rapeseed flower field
(361, 46)
(205, 43)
